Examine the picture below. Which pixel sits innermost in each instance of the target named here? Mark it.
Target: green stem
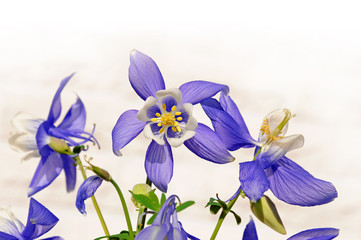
(95, 203)
(125, 209)
(144, 217)
(223, 216)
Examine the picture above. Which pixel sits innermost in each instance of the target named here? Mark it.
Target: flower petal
(149, 109)
(53, 238)
(86, 190)
(233, 135)
(316, 234)
(231, 108)
(40, 220)
(55, 108)
(253, 180)
(23, 122)
(125, 130)
(153, 232)
(9, 227)
(48, 169)
(207, 145)
(75, 117)
(70, 172)
(171, 97)
(159, 164)
(144, 75)
(43, 139)
(5, 236)
(196, 91)
(23, 141)
(272, 153)
(292, 184)
(250, 232)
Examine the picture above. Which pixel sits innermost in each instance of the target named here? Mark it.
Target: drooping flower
(51, 141)
(40, 221)
(87, 190)
(167, 119)
(250, 233)
(271, 169)
(165, 225)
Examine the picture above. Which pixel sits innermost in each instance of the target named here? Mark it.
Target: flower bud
(140, 189)
(100, 172)
(59, 146)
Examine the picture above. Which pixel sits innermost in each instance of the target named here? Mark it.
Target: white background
(303, 55)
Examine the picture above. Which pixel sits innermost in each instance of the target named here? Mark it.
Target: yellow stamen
(164, 106)
(178, 113)
(159, 124)
(174, 129)
(154, 119)
(161, 130)
(174, 108)
(179, 118)
(175, 124)
(158, 115)
(179, 129)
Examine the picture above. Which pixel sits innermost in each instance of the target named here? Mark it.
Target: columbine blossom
(167, 119)
(40, 221)
(165, 225)
(271, 169)
(51, 141)
(250, 233)
(87, 190)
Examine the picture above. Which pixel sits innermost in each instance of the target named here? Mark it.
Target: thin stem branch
(141, 225)
(223, 215)
(95, 203)
(125, 209)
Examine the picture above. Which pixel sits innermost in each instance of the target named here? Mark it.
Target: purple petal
(5, 236)
(176, 234)
(159, 164)
(250, 232)
(43, 139)
(231, 108)
(165, 212)
(196, 91)
(206, 144)
(253, 180)
(40, 220)
(125, 130)
(70, 172)
(233, 135)
(87, 190)
(75, 117)
(54, 238)
(153, 232)
(292, 184)
(316, 234)
(48, 169)
(144, 75)
(55, 108)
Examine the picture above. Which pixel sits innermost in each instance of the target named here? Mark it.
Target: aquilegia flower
(165, 225)
(167, 119)
(87, 190)
(42, 138)
(40, 221)
(250, 233)
(271, 169)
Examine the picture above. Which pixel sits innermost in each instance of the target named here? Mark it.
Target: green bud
(100, 172)
(265, 210)
(59, 146)
(140, 189)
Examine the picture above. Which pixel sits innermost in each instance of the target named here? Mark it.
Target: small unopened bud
(59, 146)
(100, 172)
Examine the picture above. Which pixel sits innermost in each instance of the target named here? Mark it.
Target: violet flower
(271, 169)
(51, 141)
(167, 119)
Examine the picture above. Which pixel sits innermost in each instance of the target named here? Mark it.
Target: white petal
(142, 113)
(176, 142)
(192, 124)
(174, 92)
(32, 154)
(10, 226)
(149, 134)
(280, 147)
(23, 141)
(26, 123)
(275, 118)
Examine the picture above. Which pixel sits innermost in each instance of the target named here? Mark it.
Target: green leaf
(214, 208)
(184, 205)
(124, 235)
(237, 217)
(265, 210)
(163, 199)
(223, 204)
(150, 200)
(151, 219)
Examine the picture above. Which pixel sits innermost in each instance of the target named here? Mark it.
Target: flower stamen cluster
(168, 119)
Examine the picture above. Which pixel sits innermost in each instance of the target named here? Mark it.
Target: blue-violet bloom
(166, 118)
(87, 190)
(165, 225)
(51, 141)
(271, 169)
(250, 233)
(40, 221)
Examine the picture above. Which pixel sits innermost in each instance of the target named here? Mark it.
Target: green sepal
(237, 217)
(150, 200)
(216, 204)
(265, 210)
(184, 205)
(163, 198)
